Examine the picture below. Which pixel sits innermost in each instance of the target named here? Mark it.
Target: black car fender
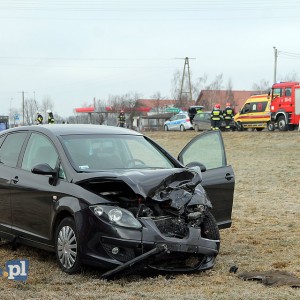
(65, 207)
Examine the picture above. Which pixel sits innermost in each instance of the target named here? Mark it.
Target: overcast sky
(74, 50)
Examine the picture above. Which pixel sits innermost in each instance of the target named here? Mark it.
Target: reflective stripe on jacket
(228, 113)
(216, 114)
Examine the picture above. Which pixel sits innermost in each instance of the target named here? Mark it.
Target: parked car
(202, 122)
(113, 198)
(180, 121)
(193, 110)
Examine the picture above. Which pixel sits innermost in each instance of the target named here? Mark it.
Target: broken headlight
(116, 215)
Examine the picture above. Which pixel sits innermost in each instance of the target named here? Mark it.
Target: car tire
(196, 128)
(182, 128)
(259, 129)
(166, 128)
(271, 126)
(67, 247)
(209, 228)
(281, 124)
(239, 126)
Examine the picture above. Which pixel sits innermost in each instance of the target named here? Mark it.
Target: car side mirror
(196, 164)
(45, 169)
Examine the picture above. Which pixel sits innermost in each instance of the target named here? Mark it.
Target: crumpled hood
(179, 185)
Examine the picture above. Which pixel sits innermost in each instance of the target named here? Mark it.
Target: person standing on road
(39, 118)
(215, 117)
(121, 119)
(228, 116)
(50, 117)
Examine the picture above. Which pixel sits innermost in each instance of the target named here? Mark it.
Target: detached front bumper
(157, 248)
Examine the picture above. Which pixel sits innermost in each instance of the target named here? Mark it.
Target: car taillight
(188, 120)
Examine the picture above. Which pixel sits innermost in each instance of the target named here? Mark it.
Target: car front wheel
(209, 228)
(196, 128)
(66, 246)
(239, 126)
(166, 128)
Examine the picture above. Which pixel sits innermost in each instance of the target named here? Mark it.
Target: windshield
(104, 152)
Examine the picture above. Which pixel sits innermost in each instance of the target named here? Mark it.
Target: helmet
(48, 111)
(227, 104)
(217, 105)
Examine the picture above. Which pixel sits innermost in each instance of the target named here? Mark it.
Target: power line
(290, 54)
(144, 6)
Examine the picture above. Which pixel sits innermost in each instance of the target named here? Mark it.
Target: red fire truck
(285, 106)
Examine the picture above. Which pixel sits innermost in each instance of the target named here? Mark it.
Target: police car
(181, 122)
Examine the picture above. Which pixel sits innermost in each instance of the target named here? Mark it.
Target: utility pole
(23, 106)
(186, 65)
(275, 63)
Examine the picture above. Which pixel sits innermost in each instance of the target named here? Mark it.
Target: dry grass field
(264, 235)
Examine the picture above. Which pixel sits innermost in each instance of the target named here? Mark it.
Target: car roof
(66, 129)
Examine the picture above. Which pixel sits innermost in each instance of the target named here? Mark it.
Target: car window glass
(259, 106)
(277, 92)
(246, 108)
(288, 92)
(207, 116)
(98, 152)
(147, 154)
(39, 150)
(11, 147)
(208, 149)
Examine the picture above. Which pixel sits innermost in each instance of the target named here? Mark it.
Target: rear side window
(11, 148)
(258, 106)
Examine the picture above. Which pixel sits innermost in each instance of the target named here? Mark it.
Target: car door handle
(15, 179)
(229, 176)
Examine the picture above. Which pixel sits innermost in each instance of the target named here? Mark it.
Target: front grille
(172, 227)
(176, 261)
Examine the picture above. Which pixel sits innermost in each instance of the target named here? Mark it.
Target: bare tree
(99, 117)
(47, 103)
(215, 86)
(29, 111)
(200, 84)
(229, 94)
(293, 76)
(127, 102)
(157, 96)
(175, 85)
(263, 86)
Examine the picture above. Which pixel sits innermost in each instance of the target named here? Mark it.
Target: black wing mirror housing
(43, 169)
(196, 164)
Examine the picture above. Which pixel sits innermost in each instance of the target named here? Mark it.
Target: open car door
(207, 150)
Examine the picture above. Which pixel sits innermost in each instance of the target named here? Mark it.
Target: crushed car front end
(152, 219)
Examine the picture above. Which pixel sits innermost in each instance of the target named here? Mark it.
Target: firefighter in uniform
(121, 119)
(39, 118)
(227, 115)
(50, 117)
(215, 117)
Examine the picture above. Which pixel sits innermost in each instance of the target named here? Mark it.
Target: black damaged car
(113, 198)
